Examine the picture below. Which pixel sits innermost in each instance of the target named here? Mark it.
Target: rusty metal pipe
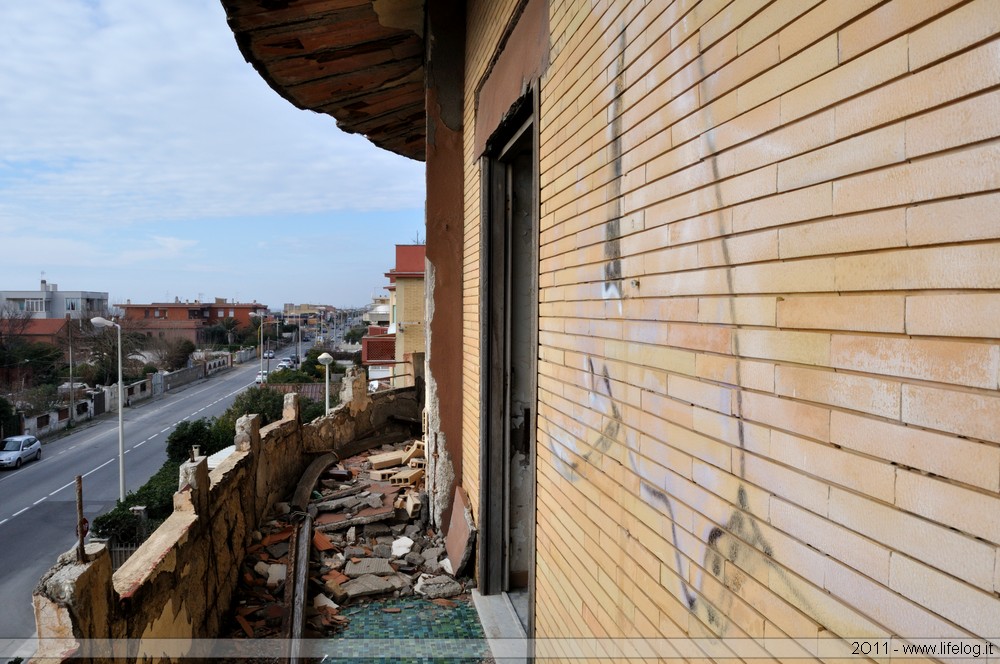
(299, 575)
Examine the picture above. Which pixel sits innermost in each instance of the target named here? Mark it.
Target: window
(34, 305)
(156, 313)
(72, 304)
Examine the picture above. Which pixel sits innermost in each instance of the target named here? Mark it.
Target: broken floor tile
(321, 542)
(367, 585)
(322, 601)
(378, 566)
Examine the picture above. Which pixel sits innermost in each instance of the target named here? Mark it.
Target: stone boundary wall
(181, 377)
(217, 364)
(179, 584)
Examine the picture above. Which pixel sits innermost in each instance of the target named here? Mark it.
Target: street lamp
(260, 346)
(104, 322)
(326, 360)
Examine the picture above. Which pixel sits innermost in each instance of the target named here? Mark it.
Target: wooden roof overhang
(360, 61)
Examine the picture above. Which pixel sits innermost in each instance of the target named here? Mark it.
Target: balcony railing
(378, 350)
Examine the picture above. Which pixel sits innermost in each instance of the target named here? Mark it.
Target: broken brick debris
(370, 540)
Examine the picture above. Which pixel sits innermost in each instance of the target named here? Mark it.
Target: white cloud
(125, 112)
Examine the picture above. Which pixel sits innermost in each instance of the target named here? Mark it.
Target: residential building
(407, 305)
(714, 315)
(48, 302)
(379, 312)
(189, 320)
(387, 350)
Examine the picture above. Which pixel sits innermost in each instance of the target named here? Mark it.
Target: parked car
(269, 354)
(284, 364)
(19, 449)
(261, 377)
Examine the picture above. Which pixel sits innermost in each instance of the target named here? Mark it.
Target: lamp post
(326, 360)
(104, 322)
(260, 346)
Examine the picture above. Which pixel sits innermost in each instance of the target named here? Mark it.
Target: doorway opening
(510, 362)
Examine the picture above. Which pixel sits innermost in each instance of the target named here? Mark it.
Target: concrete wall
(181, 377)
(57, 420)
(769, 339)
(179, 584)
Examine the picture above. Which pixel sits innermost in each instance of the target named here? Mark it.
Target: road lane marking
(110, 461)
(98, 468)
(64, 486)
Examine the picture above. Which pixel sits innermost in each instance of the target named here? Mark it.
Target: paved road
(38, 501)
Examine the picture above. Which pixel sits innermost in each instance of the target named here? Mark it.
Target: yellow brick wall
(783, 419)
(485, 25)
(410, 325)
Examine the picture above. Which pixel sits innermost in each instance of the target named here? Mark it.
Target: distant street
(38, 501)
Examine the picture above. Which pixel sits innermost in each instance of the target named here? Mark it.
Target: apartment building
(714, 309)
(48, 302)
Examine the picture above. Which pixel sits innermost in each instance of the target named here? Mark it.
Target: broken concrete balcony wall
(180, 583)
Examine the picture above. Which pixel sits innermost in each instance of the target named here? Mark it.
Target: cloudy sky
(142, 156)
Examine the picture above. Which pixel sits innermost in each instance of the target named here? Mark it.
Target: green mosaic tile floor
(420, 632)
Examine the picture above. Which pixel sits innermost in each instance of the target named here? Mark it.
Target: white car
(19, 449)
(261, 377)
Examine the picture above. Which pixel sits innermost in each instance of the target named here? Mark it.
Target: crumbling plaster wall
(179, 584)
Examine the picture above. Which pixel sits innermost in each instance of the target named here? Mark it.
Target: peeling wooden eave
(360, 61)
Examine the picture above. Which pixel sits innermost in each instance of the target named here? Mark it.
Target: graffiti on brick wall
(736, 548)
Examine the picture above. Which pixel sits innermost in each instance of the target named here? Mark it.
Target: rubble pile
(370, 540)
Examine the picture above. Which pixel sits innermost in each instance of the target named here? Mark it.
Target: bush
(120, 524)
(186, 435)
(156, 495)
(310, 409)
(290, 376)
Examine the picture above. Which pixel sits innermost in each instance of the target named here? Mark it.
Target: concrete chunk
(437, 586)
(367, 566)
(276, 574)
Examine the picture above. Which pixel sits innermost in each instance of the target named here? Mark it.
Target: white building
(50, 302)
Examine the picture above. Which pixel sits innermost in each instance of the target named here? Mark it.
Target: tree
(10, 425)
(353, 336)
(13, 347)
(178, 353)
(102, 344)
